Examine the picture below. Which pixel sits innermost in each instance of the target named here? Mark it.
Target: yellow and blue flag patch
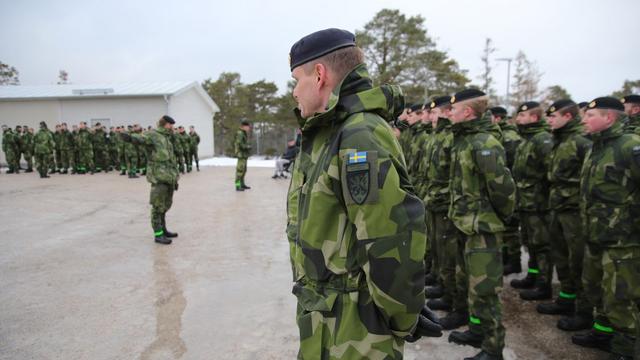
(357, 157)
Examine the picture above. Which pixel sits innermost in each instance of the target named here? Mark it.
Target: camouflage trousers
(180, 161)
(241, 171)
(194, 155)
(592, 275)
(57, 161)
(445, 239)
(42, 162)
(512, 242)
(28, 157)
(431, 251)
(535, 235)
(337, 330)
(102, 160)
(142, 160)
(482, 273)
(567, 250)
(13, 159)
(621, 284)
(85, 160)
(161, 199)
(66, 159)
(131, 161)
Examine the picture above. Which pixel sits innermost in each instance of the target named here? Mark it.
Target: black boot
(430, 279)
(439, 304)
(593, 339)
(454, 320)
(512, 267)
(542, 291)
(483, 355)
(10, 171)
(197, 166)
(466, 338)
(123, 172)
(244, 186)
(434, 292)
(161, 239)
(167, 233)
(527, 282)
(580, 321)
(561, 306)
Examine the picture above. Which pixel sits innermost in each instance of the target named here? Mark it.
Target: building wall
(188, 109)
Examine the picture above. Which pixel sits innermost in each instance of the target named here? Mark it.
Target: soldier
(112, 144)
(76, 151)
(131, 154)
(632, 109)
(242, 149)
(9, 146)
(610, 205)
(176, 141)
(511, 238)
(120, 146)
(442, 234)
(26, 144)
(18, 147)
(44, 147)
(56, 160)
(84, 144)
(163, 174)
(402, 124)
(141, 151)
(66, 150)
(582, 108)
(100, 149)
(346, 234)
(482, 199)
(195, 140)
(186, 148)
(530, 173)
(567, 240)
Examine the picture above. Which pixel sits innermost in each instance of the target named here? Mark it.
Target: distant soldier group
(84, 150)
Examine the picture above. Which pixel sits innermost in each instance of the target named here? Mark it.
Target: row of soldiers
(573, 172)
(84, 150)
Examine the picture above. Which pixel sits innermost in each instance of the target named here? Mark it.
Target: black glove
(428, 325)
(175, 187)
(126, 137)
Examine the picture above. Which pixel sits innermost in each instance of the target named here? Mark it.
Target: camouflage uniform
(142, 155)
(66, 151)
(185, 142)
(405, 137)
(482, 197)
(442, 234)
(85, 151)
(26, 147)
(44, 147)
(633, 125)
(162, 173)
(512, 243)
(242, 149)
(11, 148)
(565, 164)
(56, 164)
(356, 249)
(178, 149)
(113, 142)
(610, 194)
(530, 173)
(101, 150)
(195, 140)
(131, 156)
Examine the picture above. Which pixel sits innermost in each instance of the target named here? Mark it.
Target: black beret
(439, 101)
(583, 104)
(560, 104)
(168, 119)
(318, 44)
(466, 94)
(245, 123)
(528, 106)
(631, 99)
(498, 111)
(415, 107)
(606, 102)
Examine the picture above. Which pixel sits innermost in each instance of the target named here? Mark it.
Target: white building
(111, 105)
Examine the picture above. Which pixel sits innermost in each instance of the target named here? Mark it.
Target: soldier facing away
(353, 218)
(195, 140)
(242, 149)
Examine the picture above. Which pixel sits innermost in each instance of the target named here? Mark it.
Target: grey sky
(585, 46)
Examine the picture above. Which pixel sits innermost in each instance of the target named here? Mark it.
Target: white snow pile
(254, 161)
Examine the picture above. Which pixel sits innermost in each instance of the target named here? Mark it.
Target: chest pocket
(614, 175)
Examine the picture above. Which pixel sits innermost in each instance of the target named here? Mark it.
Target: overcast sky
(587, 46)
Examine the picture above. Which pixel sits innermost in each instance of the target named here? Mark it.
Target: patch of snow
(254, 161)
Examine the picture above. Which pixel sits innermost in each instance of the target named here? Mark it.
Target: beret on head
(245, 123)
(559, 105)
(528, 106)
(606, 102)
(318, 44)
(498, 111)
(583, 104)
(631, 99)
(415, 107)
(466, 94)
(439, 101)
(165, 119)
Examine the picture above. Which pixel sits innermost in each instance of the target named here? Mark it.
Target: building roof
(84, 91)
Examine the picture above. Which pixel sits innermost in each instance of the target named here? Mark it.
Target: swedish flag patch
(357, 158)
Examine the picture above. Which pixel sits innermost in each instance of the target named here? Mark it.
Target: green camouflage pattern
(161, 199)
(161, 163)
(43, 148)
(417, 155)
(195, 141)
(437, 197)
(84, 143)
(621, 285)
(130, 155)
(592, 276)
(66, 150)
(185, 141)
(11, 148)
(632, 125)
(356, 250)
(178, 149)
(530, 167)
(482, 189)
(26, 147)
(100, 150)
(242, 149)
(610, 188)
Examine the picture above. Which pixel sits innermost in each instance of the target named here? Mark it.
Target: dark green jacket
(439, 158)
(241, 145)
(43, 142)
(510, 141)
(530, 167)
(162, 167)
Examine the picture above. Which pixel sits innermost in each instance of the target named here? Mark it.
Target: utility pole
(508, 60)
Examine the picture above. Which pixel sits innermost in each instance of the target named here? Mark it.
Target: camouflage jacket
(66, 140)
(530, 167)
(421, 135)
(10, 141)
(565, 163)
(481, 187)
(177, 143)
(510, 141)
(610, 189)
(185, 141)
(241, 145)
(405, 137)
(439, 157)
(99, 140)
(84, 140)
(43, 142)
(27, 142)
(195, 139)
(354, 223)
(633, 125)
(162, 167)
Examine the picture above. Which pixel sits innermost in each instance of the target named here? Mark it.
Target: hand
(428, 325)
(175, 187)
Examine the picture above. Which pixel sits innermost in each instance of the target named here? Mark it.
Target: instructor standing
(162, 173)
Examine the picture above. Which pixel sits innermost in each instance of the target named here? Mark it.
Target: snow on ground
(254, 161)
